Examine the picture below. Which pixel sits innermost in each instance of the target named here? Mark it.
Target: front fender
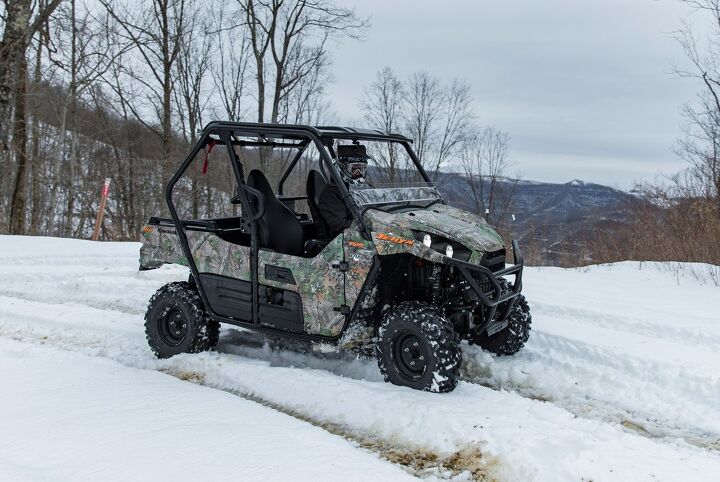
(400, 241)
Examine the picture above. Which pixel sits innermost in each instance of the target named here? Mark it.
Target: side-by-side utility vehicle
(409, 277)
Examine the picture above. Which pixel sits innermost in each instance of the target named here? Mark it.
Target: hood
(455, 224)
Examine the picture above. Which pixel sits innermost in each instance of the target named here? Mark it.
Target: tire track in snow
(674, 334)
(417, 460)
(591, 382)
(466, 463)
(124, 342)
(524, 374)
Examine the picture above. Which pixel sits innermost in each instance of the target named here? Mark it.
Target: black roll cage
(322, 137)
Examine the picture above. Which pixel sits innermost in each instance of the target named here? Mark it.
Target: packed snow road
(619, 381)
(72, 417)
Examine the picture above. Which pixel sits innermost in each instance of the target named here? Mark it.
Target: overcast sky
(584, 87)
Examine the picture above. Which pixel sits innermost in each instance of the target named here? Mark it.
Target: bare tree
(303, 102)
(21, 23)
(229, 71)
(382, 106)
(685, 206)
(701, 143)
(80, 50)
(155, 31)
(35, 129)
(436, 116)
(423, 108)
(292, 36)
(457, 116)
(115, 90)
(19, 143)
(20, 26)
(485, 163)
(192, 71)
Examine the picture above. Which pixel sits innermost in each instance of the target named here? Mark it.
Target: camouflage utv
(409, 278)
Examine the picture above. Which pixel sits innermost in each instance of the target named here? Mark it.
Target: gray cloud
(584, 87)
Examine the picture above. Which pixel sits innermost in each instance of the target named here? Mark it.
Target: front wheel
(176, 322)
(417, 347)
(512, 338)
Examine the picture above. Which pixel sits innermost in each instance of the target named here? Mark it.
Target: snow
(88, 418)
(619, 381)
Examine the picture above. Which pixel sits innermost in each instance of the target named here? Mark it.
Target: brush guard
(491, 287)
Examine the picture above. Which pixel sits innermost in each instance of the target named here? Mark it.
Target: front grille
(487, 287)
(484, 283)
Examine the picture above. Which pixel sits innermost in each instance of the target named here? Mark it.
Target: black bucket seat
(315, 184)
(278, 229)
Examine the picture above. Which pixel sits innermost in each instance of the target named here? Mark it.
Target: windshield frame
(405, 143)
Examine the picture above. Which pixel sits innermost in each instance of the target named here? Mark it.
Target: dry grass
(684, 230)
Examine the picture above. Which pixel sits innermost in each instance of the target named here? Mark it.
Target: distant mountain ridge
(557, 217)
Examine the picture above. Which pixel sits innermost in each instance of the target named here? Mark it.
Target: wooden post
(101, 211)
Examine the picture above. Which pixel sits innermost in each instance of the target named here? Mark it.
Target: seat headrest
(316, 176)
(258, 180)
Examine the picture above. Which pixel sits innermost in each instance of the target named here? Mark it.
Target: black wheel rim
(173, 327)
(410, 355)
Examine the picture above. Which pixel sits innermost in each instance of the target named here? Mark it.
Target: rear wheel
(513, 337)
(176, 322)
(417, 347)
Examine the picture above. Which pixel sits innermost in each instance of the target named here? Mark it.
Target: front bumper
(488, 285)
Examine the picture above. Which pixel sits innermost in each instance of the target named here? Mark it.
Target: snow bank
(618, 382)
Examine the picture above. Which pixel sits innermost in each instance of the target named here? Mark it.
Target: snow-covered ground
(620, 381)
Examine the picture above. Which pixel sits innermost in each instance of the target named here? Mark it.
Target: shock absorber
(435, 286)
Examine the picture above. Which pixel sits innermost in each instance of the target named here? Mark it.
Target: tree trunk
(12, 48)
(261, 90)
(57, 166)
(276, 94)
(35, 144)
(18, 32)
(19, 195)
(71, 174)
(167, 120)
(72, 99)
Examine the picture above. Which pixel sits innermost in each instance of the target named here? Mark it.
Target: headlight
(451, 249)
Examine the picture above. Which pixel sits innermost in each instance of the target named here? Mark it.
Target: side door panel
(359, 255)
(217, 256)
(224, 270)
(319, 283)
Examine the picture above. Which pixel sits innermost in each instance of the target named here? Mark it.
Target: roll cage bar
(321, 136)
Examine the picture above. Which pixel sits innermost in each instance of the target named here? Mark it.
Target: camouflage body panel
(161, 245)
(217, 256)
(318, 283)
(393, 232)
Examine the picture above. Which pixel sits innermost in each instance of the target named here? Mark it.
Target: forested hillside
(118, 89)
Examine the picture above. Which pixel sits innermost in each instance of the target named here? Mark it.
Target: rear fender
(160, 245)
